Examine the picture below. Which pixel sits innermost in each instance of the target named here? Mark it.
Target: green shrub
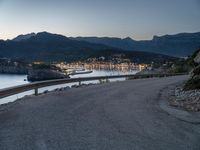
(180, 69)
(43, 66)
(196, 70)
(190, 60)
(192, 84)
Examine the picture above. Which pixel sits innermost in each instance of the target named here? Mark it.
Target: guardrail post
(36, 91)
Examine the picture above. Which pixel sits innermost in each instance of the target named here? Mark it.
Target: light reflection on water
(7, 80)
(13, 80)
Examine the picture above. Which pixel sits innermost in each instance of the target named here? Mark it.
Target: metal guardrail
(36, 85)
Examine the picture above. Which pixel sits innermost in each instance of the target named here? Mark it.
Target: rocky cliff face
(44, 74)
(194, 81)
(13, 70)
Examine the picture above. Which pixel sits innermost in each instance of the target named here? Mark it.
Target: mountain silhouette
(180, 45)
(23, 37)
(46, 46)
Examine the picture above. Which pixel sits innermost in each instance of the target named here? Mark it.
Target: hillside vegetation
(194, 81)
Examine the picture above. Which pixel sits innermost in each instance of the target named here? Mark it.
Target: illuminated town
(124, 67)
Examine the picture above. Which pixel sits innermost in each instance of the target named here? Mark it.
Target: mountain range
(179, 45)
(46, 46)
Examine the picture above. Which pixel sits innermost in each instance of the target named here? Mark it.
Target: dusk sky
(139, 19)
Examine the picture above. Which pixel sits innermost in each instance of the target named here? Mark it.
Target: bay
(7, 80)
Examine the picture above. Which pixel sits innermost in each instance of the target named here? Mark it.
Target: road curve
(114, 116)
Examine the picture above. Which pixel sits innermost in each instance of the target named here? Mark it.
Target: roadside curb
(186, 116)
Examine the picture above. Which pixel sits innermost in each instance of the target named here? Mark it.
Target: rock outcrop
(44, 74)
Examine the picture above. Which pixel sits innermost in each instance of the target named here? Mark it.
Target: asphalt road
(113, 116)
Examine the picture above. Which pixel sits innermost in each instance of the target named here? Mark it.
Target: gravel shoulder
(181, 110)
